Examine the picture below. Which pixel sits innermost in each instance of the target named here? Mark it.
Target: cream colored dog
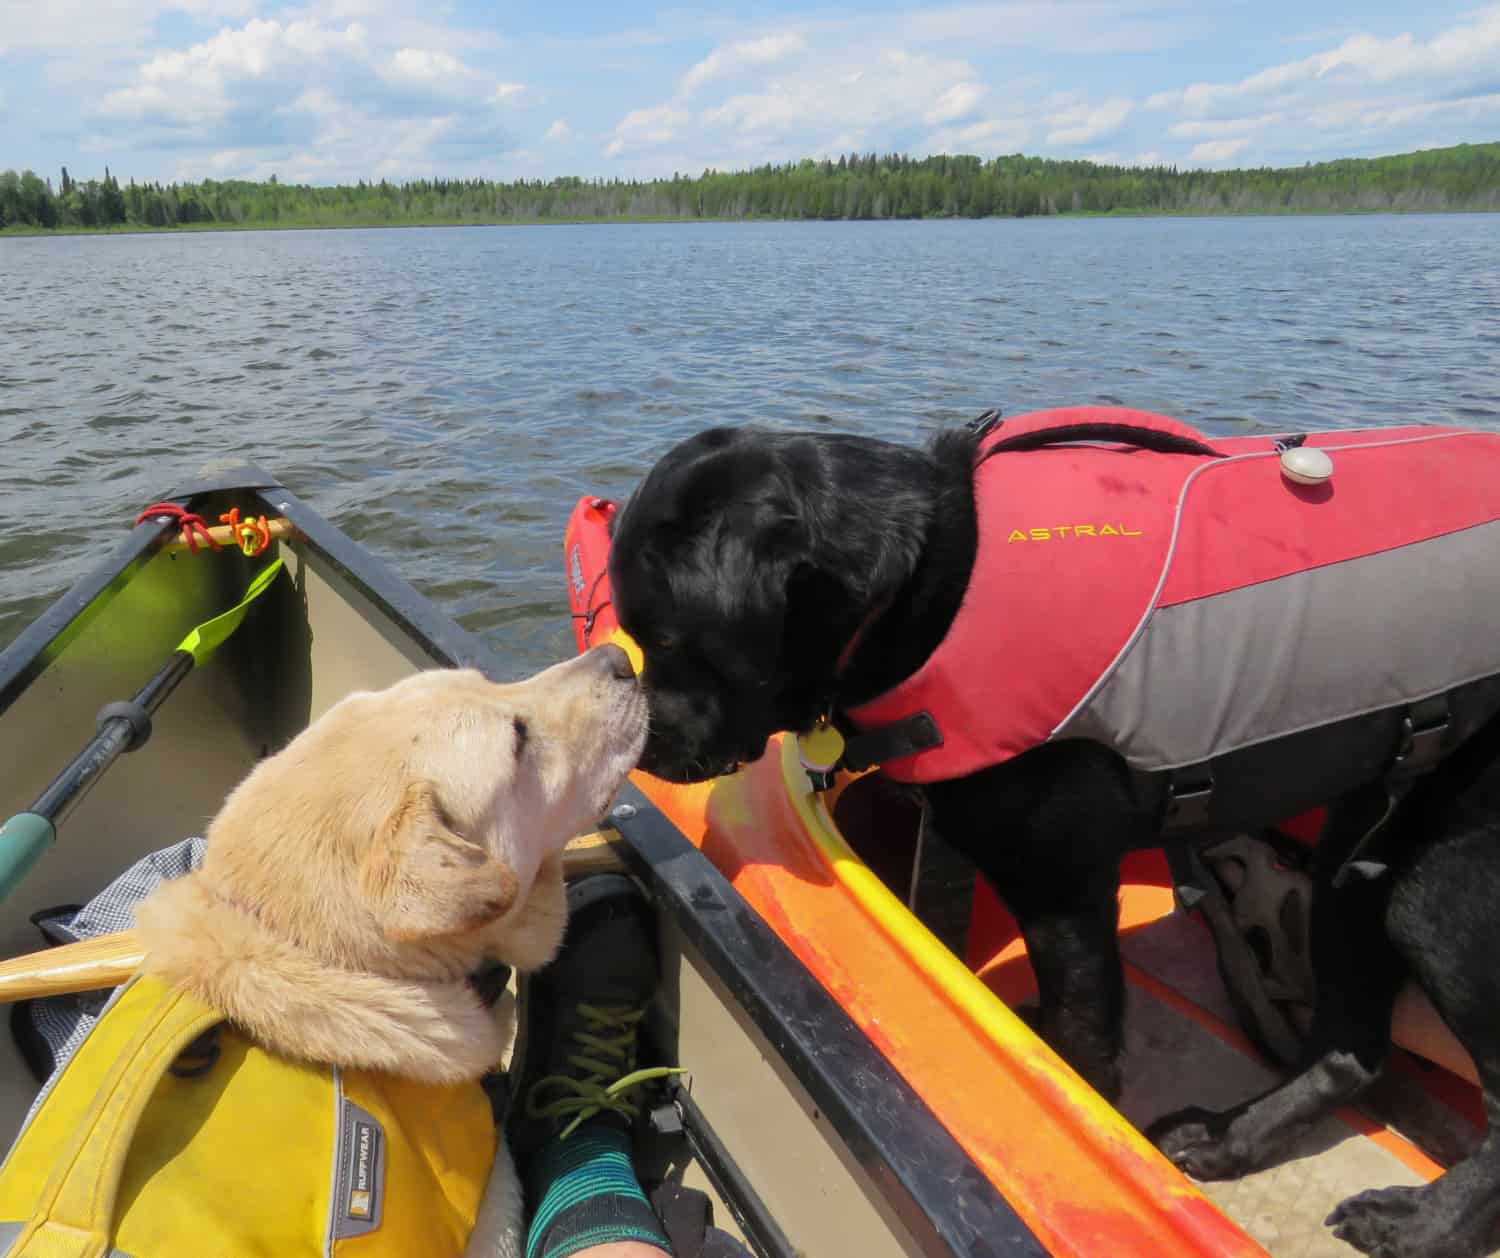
(354, 880)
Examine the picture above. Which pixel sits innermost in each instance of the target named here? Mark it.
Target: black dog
(771, 579)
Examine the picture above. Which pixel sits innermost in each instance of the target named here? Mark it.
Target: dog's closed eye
(523, 732)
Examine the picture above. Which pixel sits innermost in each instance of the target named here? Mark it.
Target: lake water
(445, 395)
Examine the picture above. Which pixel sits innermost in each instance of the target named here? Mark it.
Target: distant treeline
(1466, 177)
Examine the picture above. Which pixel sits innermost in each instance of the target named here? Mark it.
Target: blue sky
(334, 90)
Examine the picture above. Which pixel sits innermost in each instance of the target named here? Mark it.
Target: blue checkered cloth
(62, 1022)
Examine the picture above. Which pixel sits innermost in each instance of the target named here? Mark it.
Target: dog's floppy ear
(426, 881)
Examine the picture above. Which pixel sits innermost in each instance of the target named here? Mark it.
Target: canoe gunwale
(36, 646)
(46, 637)
(444, 639)
(913, 1161)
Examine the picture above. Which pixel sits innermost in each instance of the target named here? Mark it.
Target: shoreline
(135, 229)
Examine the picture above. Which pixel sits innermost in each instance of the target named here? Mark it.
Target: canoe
(806, 1138)
(927, 963)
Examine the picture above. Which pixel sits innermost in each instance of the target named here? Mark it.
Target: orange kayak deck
(1075, 1168)
(1081, 1177)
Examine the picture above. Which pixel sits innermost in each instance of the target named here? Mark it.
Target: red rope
(192, 525)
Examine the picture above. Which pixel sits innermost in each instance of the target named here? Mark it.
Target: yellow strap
(75, 1213)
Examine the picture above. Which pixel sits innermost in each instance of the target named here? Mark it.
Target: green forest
(1465, 177)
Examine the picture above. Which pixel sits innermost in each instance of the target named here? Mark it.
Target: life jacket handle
(1121, 434)
(75, 1213)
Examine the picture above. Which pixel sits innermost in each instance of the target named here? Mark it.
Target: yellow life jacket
(255, 1156)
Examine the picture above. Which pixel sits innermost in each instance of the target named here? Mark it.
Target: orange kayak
(835, 875)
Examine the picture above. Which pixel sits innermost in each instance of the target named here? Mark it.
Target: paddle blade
(203, 641)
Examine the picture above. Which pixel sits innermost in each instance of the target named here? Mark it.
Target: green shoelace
(607, 1043)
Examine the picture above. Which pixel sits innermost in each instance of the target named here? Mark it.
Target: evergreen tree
(855, 186)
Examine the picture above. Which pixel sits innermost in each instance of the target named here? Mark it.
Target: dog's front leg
(1074, 952)
(1048, 830)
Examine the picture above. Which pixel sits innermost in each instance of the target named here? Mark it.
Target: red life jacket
(1182, 607)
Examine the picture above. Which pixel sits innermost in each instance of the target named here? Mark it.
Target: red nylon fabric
(1075, 543)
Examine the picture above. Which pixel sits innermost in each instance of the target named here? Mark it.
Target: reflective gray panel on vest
(1231, 670)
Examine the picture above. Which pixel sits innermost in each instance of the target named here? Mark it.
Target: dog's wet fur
(746, 563)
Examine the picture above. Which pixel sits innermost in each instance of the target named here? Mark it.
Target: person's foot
(576, 1055)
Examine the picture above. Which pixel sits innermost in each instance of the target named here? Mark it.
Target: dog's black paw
(1198, 1143)
(1405, 1223)
(1373, 1221)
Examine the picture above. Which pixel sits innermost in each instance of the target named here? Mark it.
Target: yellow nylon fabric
(237, 1162)
(442, 1139)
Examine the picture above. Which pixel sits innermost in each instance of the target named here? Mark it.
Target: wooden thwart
(111, 959)
(279, 528)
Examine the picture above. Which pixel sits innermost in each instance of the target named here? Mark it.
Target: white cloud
(983, 139)
(1473, 108)
(745, 52)
(1363, 94)
(197, 85)
(74, 25)
(313, 98)
(833, 102)
(1458, 57)
(339, 87)
(1217, 150)
(426, 65)
(957, 102)
(646, 128)
(1222, 127)
(1079, 27)
(1078, 122)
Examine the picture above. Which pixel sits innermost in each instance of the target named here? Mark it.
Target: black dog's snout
(613, 659)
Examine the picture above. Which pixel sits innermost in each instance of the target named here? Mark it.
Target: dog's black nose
(615, 660)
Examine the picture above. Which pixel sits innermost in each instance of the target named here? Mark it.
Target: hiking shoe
(576, 1052)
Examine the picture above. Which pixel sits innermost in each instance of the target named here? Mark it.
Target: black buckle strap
(985, 423)
(900, 738)
(1424, 731)
(1424, 728)
(1190, 791)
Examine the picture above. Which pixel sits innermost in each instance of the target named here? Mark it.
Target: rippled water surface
(445, 395)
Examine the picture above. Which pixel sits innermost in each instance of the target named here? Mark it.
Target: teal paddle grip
(22, 841)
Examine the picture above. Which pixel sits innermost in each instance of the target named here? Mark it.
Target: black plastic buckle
(1189, 793)
(1424, 727)
(984, 424)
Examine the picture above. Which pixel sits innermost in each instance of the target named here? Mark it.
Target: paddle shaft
(122, 728)
(117, 735)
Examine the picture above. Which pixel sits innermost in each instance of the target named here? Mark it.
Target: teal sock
(584, 1192)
